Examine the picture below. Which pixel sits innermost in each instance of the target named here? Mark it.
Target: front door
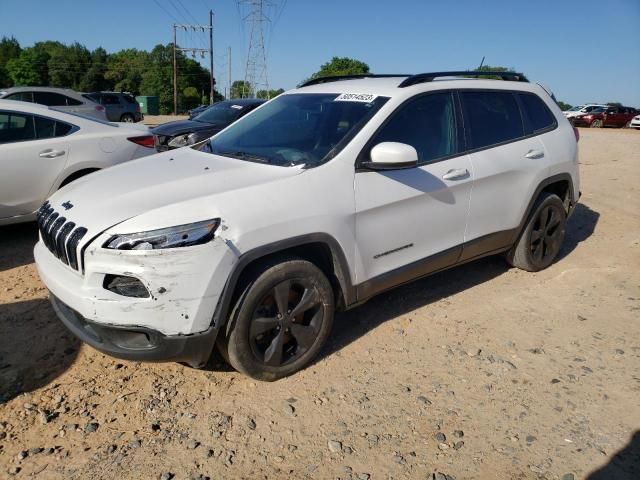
(412, 220)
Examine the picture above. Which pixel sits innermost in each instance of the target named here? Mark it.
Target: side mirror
(392, 156)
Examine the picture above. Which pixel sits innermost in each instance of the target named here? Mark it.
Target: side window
(72, 101)
(45, 127)
(536, 112)
(62, 129)
(51, 99)
(491, 117)
(21, 96)
(15, 127)
(110, 100)
(427, 123)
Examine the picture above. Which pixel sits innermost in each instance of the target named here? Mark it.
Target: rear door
(509, 160)
(404, 216)
(33, 151)
(113, 107)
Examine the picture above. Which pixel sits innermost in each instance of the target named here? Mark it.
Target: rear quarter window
(491, 118)
(537, 114)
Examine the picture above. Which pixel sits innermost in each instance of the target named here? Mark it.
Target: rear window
(536, 113)
(492, 117)
(51, 99)
(130, 99)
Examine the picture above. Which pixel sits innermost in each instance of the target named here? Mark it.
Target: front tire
(542, 237)
(280, 321)
(596, 124)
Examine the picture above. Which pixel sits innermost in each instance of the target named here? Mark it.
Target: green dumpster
(148, 105)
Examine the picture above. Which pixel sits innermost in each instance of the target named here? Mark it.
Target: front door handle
(456, 174)
(50, 153)
(534, 154)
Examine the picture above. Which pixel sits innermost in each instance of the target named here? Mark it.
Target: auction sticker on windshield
(355, 97)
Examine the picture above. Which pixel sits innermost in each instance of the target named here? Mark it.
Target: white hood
(181, 179)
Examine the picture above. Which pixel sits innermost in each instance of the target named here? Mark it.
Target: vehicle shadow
(580, 226)
(35, 347)
(16, 245)
(624, 464)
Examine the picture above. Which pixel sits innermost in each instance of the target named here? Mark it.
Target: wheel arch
(561, 185)
(321, 249)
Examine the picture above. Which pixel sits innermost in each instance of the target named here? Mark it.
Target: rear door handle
(456, 174)
(534, 154)
(50, 153)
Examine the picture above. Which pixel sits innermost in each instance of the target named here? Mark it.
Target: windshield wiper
(245, 156)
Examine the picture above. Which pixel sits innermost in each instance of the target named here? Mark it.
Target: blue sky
(584, 50)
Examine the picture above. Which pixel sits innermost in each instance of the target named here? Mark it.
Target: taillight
(145, 141)
(137, 108)
(576, 132)
(99, 108)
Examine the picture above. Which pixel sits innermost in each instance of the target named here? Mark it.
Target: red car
(611, 116)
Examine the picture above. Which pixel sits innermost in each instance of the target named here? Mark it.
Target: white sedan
(42, 149)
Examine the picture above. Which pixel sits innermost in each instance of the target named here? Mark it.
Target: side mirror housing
(392, 156)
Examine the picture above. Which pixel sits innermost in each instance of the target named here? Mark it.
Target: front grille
(59, 236)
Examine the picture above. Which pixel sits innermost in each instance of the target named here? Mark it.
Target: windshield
(596, 109)
(297, 129)
(575, 109)
(219, 113)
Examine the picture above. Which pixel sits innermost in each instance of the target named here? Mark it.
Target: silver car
(62, 99)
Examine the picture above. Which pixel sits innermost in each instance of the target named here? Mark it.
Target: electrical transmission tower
(255, 77)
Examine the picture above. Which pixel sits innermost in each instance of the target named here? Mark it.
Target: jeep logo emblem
(67, 205)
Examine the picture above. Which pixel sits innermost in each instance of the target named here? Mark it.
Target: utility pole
(211, 56)
(229, 79)
(193, 51)
(175, 74)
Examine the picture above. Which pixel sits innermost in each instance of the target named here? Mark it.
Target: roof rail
(428, 77)
(337, 78)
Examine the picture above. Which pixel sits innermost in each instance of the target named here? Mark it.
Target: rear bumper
(138, 343)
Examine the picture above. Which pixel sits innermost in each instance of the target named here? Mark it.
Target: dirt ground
(481, 372)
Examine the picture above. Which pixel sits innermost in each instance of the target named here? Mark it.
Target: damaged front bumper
(138, 343)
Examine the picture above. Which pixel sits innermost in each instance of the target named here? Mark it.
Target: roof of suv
(390, 86)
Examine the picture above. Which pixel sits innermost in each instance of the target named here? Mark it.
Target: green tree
(68, 65)
(30, 68)
(124, 70)
(489, 68)
(266, 95)
(240, 89)
(341, 66)
(564, 106)
(9, 49)
(190, 98)
(614, 104)
(94, 79)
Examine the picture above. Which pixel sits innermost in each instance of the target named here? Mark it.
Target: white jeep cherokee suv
(316, 201)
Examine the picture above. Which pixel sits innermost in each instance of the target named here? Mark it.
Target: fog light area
(125, 286)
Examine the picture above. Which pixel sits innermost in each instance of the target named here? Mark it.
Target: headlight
(183, 140)
(172, 237)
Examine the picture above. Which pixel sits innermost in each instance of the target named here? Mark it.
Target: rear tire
(541, 239)
(127, 118)
(280, 320)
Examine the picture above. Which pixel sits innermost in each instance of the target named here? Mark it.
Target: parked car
(581, 109)
(635, 122)
(62, 98)
(320, 199)
(119, 106)
(42, 150)
(197, 111)
(181, 133)
(609, 116)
